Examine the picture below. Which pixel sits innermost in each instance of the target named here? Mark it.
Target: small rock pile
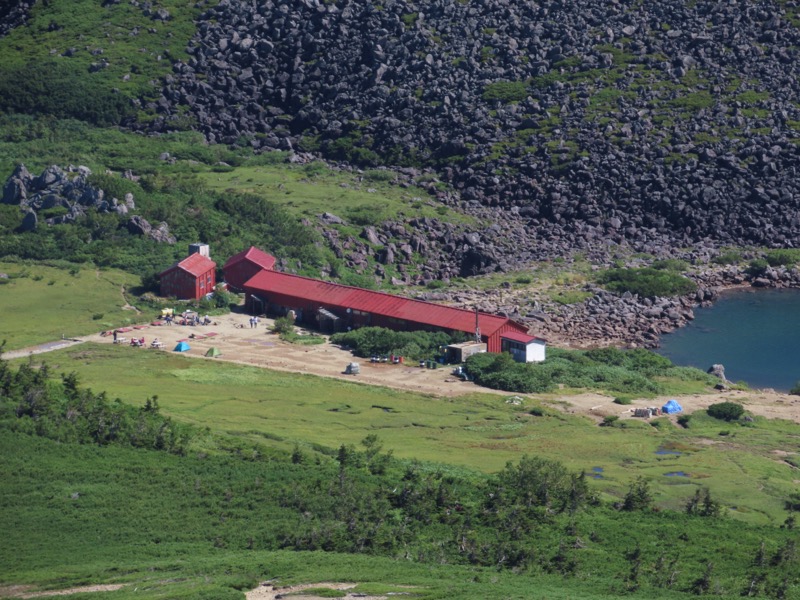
(71, 191)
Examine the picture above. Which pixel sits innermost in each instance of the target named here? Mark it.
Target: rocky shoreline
(626, 320)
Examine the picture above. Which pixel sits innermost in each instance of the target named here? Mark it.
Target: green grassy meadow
(478, 431)
(314, 188)
(41, 303)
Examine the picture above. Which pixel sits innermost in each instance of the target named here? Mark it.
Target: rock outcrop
(71, 194)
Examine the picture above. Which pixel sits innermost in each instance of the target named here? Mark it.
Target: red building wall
(238, 274)
(493, 343)
(205, 283)
(185, 286)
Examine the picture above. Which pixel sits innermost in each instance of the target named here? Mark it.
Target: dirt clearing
(238, 342)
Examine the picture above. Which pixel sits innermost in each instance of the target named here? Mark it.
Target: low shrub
(684, 420)
(647, 282)
(795, 391)
(623, 401)
(671, 264)
(728, 257)
(609, 421)
(726, 411)
(372, 341)
(757, 267)
(629, 373)
(785, 257)
(506, 91)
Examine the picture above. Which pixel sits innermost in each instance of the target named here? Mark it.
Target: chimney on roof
(201, 249)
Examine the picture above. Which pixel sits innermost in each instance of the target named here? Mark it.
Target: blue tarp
(672, 407)
(182, 347)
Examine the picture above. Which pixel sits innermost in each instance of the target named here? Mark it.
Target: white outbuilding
(523, 347)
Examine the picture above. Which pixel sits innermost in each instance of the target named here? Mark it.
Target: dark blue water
(754, 334)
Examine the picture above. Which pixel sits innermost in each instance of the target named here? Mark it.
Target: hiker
(255, 320)
(115, 336)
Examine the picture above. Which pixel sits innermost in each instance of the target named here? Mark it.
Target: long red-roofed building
(190, 279)
(332, 307)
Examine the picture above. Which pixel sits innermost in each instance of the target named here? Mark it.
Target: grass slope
(206, 527)
(478, 431)
(48, 302)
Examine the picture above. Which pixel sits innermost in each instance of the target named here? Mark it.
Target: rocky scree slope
(655, 124)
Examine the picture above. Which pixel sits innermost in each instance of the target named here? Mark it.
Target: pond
(755, 334)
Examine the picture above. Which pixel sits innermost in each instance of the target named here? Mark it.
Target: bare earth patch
(267, 591)
(21, 591)
(242, 344)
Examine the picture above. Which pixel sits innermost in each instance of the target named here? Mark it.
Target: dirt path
(240, 343)
(42, 348)
(267, 591)
(21, 591)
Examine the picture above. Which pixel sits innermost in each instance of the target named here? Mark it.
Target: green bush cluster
(610, 369)
(506, 91)
(757, 267)
(61, 89)
(726, 411)
(728, 257)
(372, 341)
(647, 282)
(68, 413)
(785, 257)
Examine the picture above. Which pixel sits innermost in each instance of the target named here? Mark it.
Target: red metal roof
(254, 255)
(397, 307)
(519, 337)
(194, 264)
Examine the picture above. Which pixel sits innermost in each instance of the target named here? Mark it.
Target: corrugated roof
(519, 337)
(195, 264)
(254, 255)
(397, 307)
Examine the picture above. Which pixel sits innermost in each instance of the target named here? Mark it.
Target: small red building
(334, 307)
(241, 267)
(190, 279)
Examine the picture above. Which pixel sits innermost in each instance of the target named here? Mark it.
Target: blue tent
(672, 407)
(181, 347)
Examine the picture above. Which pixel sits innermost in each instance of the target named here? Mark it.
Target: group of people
(254, 321)
(189, 319)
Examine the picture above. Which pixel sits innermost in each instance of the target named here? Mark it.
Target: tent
(671, 407)
(213, 352)
(181, 347)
